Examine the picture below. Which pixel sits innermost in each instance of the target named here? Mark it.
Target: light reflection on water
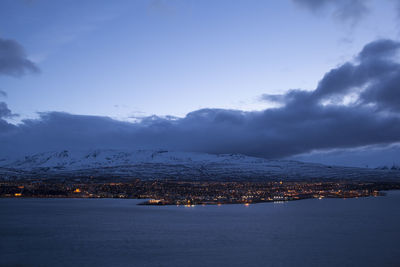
(117, 232)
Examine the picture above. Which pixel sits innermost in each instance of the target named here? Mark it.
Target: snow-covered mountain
(159, 164)
(76, 160)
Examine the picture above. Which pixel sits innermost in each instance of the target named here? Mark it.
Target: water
(112, 232)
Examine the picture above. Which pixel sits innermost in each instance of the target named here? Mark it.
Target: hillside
(161, 164)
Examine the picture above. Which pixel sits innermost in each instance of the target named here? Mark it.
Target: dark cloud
(4, 110)
(354, 105)
(13, 60)
(370, 156)
(343, 10)
(381, 49)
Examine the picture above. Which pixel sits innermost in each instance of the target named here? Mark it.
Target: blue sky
(136, 58)
(129, 59)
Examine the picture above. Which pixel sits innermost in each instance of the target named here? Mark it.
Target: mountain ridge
(164, 164)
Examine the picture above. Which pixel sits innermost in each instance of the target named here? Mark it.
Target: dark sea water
(113, 232)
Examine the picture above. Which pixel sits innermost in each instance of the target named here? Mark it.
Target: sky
(311, 80)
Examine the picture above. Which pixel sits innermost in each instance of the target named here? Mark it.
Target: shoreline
(147, 202)
(189, 193)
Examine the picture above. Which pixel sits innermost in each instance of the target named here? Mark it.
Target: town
(189, 193)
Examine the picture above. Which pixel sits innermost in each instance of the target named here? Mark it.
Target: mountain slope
(159, 164)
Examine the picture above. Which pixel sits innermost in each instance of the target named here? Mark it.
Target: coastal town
(189, 193)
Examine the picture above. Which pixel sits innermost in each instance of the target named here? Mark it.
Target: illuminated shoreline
(188, 193)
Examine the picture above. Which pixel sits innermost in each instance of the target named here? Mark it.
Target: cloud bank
(356, 104)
